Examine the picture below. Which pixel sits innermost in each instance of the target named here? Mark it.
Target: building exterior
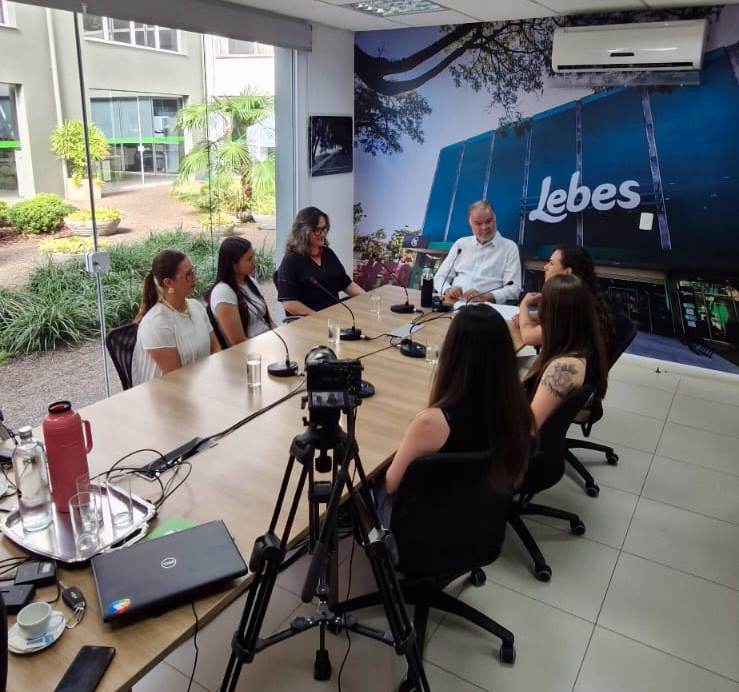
(137, 76)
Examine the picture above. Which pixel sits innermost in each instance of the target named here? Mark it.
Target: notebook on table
(152, 575)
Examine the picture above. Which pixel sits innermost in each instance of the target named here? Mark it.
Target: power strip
(157, 467)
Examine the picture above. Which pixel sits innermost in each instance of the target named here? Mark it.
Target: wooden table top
(236, 480)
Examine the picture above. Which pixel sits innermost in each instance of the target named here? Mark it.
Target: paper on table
(405, 330)
(508, 311)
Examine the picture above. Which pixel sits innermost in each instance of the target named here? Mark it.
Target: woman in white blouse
(238, 306)
(174, 330)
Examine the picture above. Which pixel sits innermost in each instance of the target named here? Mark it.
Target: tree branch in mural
(505, 59)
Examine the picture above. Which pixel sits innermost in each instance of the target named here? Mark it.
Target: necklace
(184, 311)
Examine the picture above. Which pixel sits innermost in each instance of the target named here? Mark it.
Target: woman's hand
(530, 300)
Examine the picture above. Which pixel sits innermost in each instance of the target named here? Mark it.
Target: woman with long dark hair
(572, 350)
(174, 329)
(235, 300)
(566, 259)
(476, 402)
(310, 275)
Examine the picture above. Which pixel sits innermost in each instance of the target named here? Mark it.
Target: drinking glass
(334, 331)
(375, 304)
(83, 484)
(118, 486)
(253, 370)
(432, 353)
(84, 524)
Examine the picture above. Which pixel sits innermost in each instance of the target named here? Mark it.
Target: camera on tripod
(332, 384)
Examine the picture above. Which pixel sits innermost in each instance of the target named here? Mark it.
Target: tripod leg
(265, 561)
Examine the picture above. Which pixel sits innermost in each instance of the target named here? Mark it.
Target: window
(4, 18)
(130, 33)
(233, 46)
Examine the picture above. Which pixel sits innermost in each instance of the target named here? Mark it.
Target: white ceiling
(337, 13)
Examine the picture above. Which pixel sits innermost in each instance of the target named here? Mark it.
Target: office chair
(624, 331)
(121, 342)
(288, 316)
(216, 328)
(447, 520)
(546, 468)
(3, 645)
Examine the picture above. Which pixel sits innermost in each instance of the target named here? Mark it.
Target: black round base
(351, 334)
(366, 389)
(441, 306)
(283, 369)
(403, 308)
(413, 350)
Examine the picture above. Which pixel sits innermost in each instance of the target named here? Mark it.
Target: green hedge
(57, 306)
(42, 213)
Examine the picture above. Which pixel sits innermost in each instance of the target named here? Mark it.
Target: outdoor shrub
(57, 306)
(74, 245)
(101, 214)
(217, 219)
(3, 212)
(40, 214)
(68, 143)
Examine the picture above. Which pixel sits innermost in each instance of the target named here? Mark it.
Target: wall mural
(643, 177)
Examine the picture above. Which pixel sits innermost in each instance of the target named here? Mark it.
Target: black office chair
(447, 520)
(3, 645)
(546, 468)
(216, 328)
(288, 317)
(121, 342)
(624, 331)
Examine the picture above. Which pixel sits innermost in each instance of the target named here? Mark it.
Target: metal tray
(57, 540)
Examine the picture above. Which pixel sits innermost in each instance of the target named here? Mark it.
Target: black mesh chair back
(216, 328)
(547, 463)
(3, 645)
(624, 332)
(448, 516)
(121, 342)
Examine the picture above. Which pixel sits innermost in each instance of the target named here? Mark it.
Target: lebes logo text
(554, 205)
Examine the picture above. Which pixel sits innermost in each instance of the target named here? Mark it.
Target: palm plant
(223, 156)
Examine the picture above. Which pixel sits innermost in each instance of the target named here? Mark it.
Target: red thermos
(66, 451)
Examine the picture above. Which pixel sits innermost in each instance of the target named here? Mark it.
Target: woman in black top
(310, 264)
(476, 403)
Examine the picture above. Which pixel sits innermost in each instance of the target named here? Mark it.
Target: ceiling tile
(583, 6)
(690, 3)
(434, 18)
(498, 10)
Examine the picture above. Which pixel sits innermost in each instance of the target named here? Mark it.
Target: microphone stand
(437, 303)
(351, 334)
(401, 308)
(279, 368)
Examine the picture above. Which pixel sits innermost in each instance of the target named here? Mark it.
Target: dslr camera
(332, 384)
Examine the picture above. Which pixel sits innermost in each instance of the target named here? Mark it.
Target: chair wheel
(477, 577)
(577, 527)
(612, 458)
(507, 653)
(592, 490)
(407, 686)
(543, 572)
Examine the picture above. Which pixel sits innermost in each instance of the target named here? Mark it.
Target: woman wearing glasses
(310, 264)
(174, 330)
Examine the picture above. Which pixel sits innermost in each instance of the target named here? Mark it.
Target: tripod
(269, 552)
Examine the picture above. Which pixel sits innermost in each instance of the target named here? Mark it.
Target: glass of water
(84, 524)
(120, 499)
(253, 370)
(432, 353)
(375, 304)
(334, 331)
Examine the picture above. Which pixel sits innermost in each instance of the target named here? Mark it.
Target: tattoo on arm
(558, 379)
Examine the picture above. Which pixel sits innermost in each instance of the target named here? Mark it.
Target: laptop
(158, 573)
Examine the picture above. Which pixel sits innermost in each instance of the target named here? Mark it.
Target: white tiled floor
(647, 600)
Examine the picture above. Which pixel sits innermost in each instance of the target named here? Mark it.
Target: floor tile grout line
(696, 465)
(702, 398)
(667, 653)
(682, 571)
(456, 675)
(698, 427)
(691, 511)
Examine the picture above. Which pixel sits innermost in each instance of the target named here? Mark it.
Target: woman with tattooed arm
(572, 351)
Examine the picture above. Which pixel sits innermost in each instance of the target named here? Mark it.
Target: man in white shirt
(479, 267)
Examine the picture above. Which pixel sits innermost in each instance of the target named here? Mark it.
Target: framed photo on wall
(331, 141)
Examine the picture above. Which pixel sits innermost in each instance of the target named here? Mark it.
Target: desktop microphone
(279, 368)
(479, 293)
(402, 308)
(351, 334)
(438, 302)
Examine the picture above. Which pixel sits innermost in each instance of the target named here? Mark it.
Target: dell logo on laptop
(169, 562)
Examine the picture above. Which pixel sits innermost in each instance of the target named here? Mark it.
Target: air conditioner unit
(674, 45)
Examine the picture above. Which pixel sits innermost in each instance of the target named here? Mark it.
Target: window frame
(224, 52)
(108, 36)
(5, 18)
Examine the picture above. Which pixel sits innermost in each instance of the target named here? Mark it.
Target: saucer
(18, 644)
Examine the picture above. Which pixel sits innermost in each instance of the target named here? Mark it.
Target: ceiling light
(396, 8)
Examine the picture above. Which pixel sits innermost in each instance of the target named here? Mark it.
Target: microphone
(351, 334)
(438, 303)
(279, 368)
(402, 308)
(495, 288)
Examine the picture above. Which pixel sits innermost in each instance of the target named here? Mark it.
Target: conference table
(236, 480)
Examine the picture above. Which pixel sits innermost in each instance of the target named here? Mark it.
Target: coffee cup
(33, 620)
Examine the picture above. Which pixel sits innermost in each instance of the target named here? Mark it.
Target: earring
(170, 290)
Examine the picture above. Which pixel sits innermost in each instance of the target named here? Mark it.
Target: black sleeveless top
(467, 430)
